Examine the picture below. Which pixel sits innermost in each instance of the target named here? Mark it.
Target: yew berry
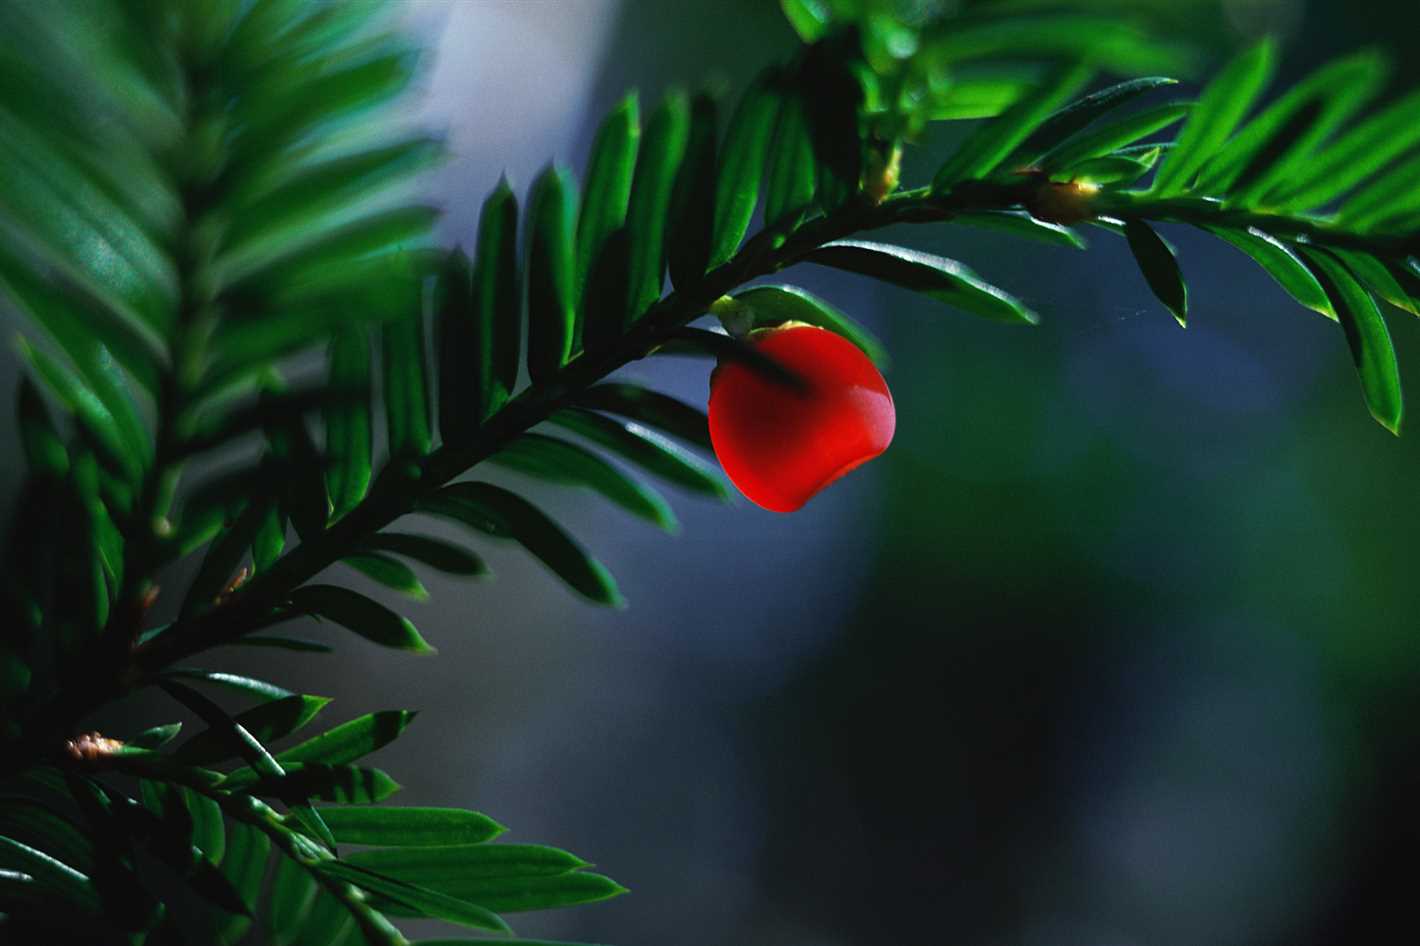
(782, 444)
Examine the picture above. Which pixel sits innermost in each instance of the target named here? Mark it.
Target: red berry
(781, 445)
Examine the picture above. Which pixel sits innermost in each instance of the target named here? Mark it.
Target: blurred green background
(1117, 644)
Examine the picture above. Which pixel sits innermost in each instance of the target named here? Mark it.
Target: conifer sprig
(197, 196)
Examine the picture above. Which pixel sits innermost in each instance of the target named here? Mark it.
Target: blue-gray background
(1117, 644)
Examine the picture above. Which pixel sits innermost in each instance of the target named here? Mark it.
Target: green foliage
(498, 513)
(411, 827)
(559, 461)
(246, 686)
(1217, 114)
(645, 449)
(436, 553)
(657, 167)
(388, 571)
(1281, 263)
(477, 321)
(348, 432)
(942, 279)
(790, 177)
(1366, 334)
(551, 273)
(414, 900)
(740, 165)
(355, 612)
(651, 408)
(692, 210)
(1022, 224)
(1160, 268)
(405, 388)
(197, 194)
(265, 722)
(602, 250)
(996, 141)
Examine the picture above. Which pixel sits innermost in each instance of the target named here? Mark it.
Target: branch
(1203, 211)
(401, 486)
(254, 812)
(376, 929)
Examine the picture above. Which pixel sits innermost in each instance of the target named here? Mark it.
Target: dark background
(1117, 644)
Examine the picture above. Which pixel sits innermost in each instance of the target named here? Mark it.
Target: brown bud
(1065, 203)
(881, 172)
(91, 747)
(239, 579)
